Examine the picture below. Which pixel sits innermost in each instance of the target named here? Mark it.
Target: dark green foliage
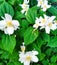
(45, 44)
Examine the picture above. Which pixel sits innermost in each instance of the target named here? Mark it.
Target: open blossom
(8, 25)
(47, 23)
(27, 57)
(43, 4)
(40, 21)
(25, 6)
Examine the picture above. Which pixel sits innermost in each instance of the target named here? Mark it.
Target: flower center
(50, 24)
(45, 6)
(9, 23)
(41, 2)
(28, 58)
(43, 20)
(24, 6)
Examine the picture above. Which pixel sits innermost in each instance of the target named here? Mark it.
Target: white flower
(40, 21)
(43, 21)
(25, 6)
(8, 25)
(48, 23)
(27, 57)
(43, 4)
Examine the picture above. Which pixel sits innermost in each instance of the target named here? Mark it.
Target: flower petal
(35, 59)
(2, 25)
(52, 18)
(27, 63)
(16, 24)
(47, 29)
(9, 30)
(8, 17)
(53, 27)
(35, 52)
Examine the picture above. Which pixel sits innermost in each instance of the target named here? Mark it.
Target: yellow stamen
(41, 2)
(50, 24)
(28, 58)
(9, 23)
(24, 5)
(43, 20)
(45, 6)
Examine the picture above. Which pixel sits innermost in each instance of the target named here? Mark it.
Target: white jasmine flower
(48, 23)
(25, 6)
(43, 4)
(8, 25)
(43, 21)
(40, 21)
(27, 57)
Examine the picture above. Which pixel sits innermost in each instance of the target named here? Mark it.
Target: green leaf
(33, 3)
(53, 59)
(48, 52)
(5, 55)
(31, 14)
(10, 63)
(24, 24)
(8, 43)
(14, 56)
(19, 15)
(6, 8)
(14, 63)
(12, 2)
(52, 63)
(1, 63)
(45, 37)
(41, 56)
(17, 63)
(30, 35)
(54, 32)
(54, 1)
(53, 42)
(53, 11)
(1, 1)
(45, 62)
